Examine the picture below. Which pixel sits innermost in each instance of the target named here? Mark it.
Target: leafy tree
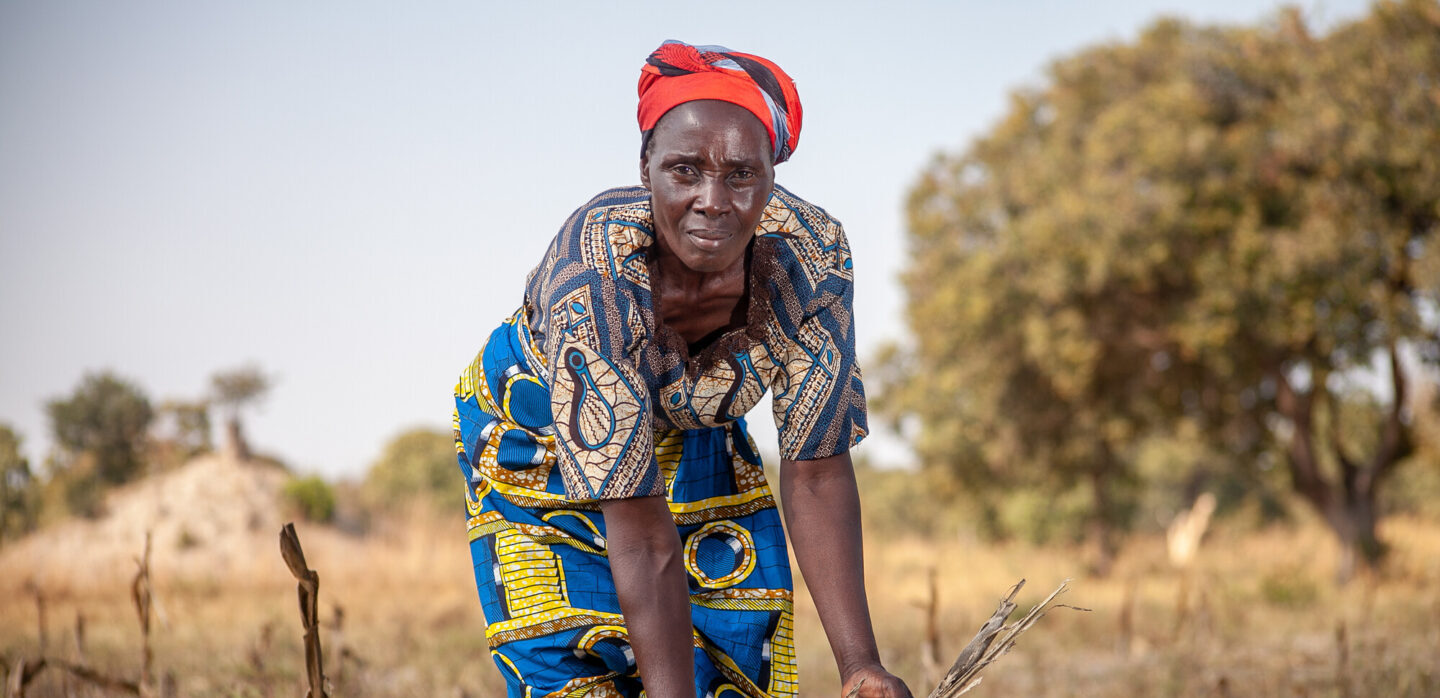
(235, 390)
(106, 419)
(1202, 236)
(19, 500)
(183, 431)
(417, 464)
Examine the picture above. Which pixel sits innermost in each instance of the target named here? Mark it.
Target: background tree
(106, 420)
(183, 431)
(235, 390)
(19, 492)
(1200, 238)
(417, 464)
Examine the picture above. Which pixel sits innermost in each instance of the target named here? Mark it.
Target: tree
(183, 431)
(418, 463)
(234, 390)
(19, 495)
(1202, 236)
(105, 419)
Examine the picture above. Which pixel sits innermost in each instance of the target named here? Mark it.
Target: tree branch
(1304, 467)
(1395, 442)
(1349, 470)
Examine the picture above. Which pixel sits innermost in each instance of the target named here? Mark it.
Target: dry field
(1261, 617)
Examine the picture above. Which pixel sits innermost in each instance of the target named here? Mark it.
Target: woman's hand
(872, 681)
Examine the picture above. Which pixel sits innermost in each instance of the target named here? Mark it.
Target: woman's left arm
(822, 515)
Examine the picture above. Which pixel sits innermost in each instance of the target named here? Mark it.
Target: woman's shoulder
(605, 238)
(616, 218)
(810, 215)
(808, 243)
(630, 198)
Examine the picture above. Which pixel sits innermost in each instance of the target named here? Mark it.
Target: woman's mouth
(708, 239)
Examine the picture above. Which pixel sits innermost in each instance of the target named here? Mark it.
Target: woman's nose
(713, 197)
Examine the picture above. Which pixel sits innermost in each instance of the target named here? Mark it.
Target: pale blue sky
(350, 193)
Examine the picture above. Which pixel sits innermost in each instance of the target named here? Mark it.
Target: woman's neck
(698, 304)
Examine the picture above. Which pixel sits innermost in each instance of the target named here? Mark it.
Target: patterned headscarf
(677, 73)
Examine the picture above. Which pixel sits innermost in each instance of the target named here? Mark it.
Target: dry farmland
(1259, 617)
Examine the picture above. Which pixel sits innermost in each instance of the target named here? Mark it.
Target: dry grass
(1263, 618)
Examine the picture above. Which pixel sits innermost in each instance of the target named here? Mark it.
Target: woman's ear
(645, 170)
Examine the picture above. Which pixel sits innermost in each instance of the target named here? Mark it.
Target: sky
(350, 194)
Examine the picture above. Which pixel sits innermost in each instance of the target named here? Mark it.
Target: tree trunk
(235, 441)
(1353, 521)
(1348, 501)
(1101, 538)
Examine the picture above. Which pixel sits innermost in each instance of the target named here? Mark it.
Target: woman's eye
(743, 175)
(685, 170)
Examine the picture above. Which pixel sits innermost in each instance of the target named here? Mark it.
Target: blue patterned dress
(583, 395)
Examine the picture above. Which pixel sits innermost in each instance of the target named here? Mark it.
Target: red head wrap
(677, 73)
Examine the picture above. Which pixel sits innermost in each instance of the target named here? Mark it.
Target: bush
(19, 490)
(310, 498)
(418, 464)
(1289, 587)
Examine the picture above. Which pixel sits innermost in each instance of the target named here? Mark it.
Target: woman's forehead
(691, 124)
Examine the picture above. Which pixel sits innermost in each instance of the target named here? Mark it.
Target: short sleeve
(820, 397)
(604, 439)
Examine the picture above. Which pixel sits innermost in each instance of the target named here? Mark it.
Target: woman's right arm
(647, 563)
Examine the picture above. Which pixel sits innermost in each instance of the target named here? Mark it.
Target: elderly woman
(623, 533)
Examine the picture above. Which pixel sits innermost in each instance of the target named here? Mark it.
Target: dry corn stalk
(142, 595)
(309, 589)
(26, 670)
(994, 639)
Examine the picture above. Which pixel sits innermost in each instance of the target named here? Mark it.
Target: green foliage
(416, 464)
(239, 387)
(191, 423)
(106, 418)
(898, 501)
(1191, 239)
(19, 491)
(310, 497)
(1415, 489)
(73, 488)
(182, 432)
(1289, 587)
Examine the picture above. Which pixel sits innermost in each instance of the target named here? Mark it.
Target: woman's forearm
(646, 563)
(822, 516)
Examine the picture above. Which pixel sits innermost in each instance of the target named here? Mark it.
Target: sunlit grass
(1263, 617)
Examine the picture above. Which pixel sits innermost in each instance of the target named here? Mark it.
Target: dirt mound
(209, 519)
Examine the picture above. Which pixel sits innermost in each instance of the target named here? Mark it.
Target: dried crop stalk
(309, 591)
(26, 670)
(141, 594)
(994, 639)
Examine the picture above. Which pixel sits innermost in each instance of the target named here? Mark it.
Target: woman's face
(709, 174)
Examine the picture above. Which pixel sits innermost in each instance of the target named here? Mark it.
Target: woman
(601, 427)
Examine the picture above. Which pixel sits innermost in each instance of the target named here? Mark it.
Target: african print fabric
(553, 616)
(616, 374)
(581, 396)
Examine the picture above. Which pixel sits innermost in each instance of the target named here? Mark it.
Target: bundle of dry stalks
(994, 639)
